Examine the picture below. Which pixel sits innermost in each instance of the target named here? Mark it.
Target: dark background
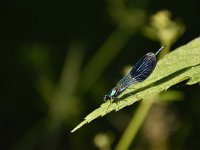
(38, 37)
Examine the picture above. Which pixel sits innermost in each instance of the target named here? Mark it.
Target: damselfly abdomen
(140, 71)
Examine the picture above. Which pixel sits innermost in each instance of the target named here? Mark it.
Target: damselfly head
(112, 94)
(106, 97)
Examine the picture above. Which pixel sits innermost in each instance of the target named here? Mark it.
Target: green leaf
(179, 65)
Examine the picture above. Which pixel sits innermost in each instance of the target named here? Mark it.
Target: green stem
(134, 124)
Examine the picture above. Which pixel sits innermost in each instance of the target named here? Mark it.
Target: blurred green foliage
(59, 58)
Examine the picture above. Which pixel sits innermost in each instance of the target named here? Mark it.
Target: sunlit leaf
(179, 65)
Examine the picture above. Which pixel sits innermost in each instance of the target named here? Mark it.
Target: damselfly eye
(106, 97)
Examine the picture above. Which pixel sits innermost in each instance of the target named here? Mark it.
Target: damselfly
(140, 71)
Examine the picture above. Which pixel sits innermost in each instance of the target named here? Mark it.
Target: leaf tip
(76, 128)
(79, 126)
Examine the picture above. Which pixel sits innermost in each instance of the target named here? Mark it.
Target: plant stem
(135, 124)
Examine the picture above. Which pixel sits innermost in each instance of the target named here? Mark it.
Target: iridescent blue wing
(140, 71)
(144, 67)
(125, 82)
